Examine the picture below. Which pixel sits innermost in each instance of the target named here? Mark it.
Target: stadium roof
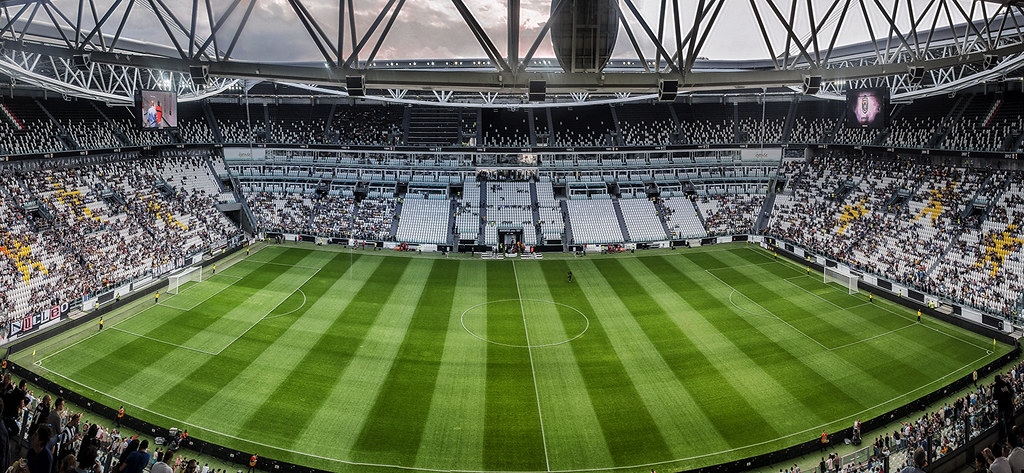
(458, 50)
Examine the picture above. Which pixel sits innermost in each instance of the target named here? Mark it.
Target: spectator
(136, 461)
(161, 465)
(920, 461)
(39, 458)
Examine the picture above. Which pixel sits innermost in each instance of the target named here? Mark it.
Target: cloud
(434, 29)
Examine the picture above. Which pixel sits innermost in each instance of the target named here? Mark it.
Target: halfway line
(533, 371)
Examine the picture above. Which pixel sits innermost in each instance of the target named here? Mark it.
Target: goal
(176, 280)
(848, 280)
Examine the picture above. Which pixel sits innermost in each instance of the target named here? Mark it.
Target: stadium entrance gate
(508, 237)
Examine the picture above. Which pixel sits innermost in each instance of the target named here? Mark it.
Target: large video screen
(159, 110)
(866, 108)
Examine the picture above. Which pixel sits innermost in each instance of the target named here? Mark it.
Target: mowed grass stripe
(307, 384)
(866, 321)
(191, 293)
(285, 351)
(337, 430)
(893, 371)
(768, 354)
(741, 423)
(630, 434)
(765, 393)
(512, 435)
(120, 362)
(213, 393)
(845, 366)
(453, 434)
(213, 323)
(234, 321)
(400, 412)
(900, 320)
(570, 423)
(663, 393)
(453, 413)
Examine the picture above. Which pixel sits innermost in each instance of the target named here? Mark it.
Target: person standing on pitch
(252, 463)
(918, 315)
(156, 298)
(101, 323)
(570, 276)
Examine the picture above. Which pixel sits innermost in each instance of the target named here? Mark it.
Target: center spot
(526, 323)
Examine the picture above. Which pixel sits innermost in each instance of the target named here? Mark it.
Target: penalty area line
(281, 264)
(883, 307)
(773, 314)
(165, 342)
(261, 319)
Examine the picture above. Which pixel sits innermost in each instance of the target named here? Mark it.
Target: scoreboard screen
(866, 108)
(159, 109)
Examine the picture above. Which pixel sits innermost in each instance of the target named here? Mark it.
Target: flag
(33, 353)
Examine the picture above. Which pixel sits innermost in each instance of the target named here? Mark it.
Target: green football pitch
(366, 361)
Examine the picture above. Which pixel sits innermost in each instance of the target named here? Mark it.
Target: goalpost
(174, 281)
(848, 280)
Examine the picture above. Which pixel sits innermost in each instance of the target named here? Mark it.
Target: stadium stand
(641, 219)
(374, 217)
(423, 220)
(551, 220)
(898, 216)
(682, 218)
(647, 125)
(506, 128)
(509, 207)
(730, 214)
(593, 221)
(467, 213)
(75, 230)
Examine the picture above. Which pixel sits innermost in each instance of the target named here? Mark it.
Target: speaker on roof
(537, 91)
(915, 74)
(200, 74)
(991, 61)
(356, 86)
(812, 84)
(81, 61)
(667, 90)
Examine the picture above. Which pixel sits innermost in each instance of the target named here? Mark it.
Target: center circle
(507, 322)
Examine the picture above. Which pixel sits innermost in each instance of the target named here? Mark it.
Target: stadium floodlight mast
(953, 40)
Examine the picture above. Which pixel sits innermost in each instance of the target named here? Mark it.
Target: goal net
(175, 281)
(847, 280)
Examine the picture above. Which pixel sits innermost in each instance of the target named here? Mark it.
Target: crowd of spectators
(730, 214)
(68, 232)
(44, 434)
(374, 218)
(992, 124)
(905, 220)
(919, 441)
(332, 215)
(286, 213)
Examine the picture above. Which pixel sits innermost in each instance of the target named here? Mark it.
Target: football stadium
(528, 236)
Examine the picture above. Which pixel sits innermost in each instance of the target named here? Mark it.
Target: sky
(434, 29)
